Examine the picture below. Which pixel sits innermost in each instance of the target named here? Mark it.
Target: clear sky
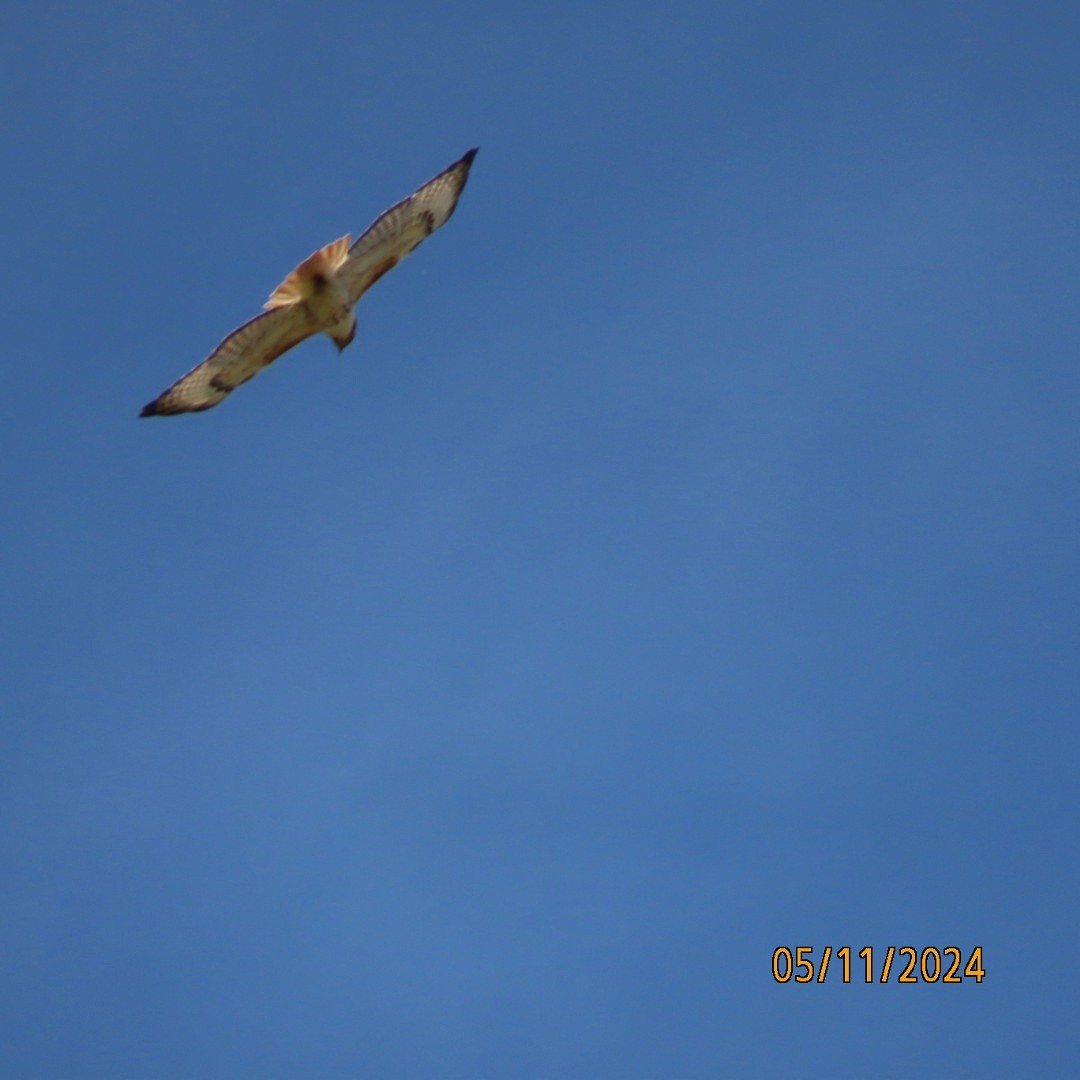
(681, 563)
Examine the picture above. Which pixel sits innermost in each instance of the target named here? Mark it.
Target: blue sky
(681, 563)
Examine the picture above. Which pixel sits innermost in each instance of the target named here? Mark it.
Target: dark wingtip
(149, 410)
(467, 159)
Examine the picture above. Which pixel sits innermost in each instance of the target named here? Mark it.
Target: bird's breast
(329, 302)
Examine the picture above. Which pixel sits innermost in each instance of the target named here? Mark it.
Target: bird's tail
(299, 284)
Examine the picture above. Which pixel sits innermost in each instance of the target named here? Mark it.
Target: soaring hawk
(320, 294)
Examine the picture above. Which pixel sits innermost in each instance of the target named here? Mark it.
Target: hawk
(320, 294)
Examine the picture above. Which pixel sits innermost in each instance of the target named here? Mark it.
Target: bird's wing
(394, 234)
(244, 353)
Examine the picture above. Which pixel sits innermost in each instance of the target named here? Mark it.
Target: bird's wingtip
(468, 158)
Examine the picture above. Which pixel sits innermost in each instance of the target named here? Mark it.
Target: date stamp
(902, 965)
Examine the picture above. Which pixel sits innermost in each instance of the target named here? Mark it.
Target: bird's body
(319, 295)
(319, 288)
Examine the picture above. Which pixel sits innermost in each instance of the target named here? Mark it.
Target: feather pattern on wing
(244, 353)
(392, 235)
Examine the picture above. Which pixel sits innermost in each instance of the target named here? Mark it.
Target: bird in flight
(320, 294)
